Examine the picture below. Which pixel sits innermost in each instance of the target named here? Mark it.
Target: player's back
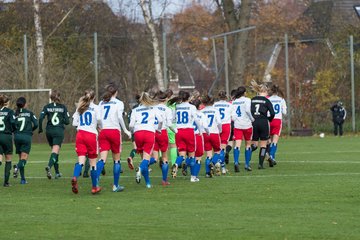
(111, 112)
(57, 115)
(260, 106)
(7, 119)
(279, 106)
(88, 120)
(143, 118)
(241, 112)
(25, 122)
(185, 115)
(213, 117)
(224, 109)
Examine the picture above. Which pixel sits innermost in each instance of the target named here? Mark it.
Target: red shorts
(275, 127)
(212, 142)
(225, 133)
(185, 140)
(239, 134)
(161, 141)
(86, 144)
(199, 145)
(110, 139)
(144, 141)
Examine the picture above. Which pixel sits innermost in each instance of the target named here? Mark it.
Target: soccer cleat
(208, 175)
(23, 181)
(103, 172)
(184, 168)
(194, 179)
(274, 162)
(226, 158)
(16, 170)
(74, 185)
(271, 162)
(150, 169)
(165, 183)
(58, 175)
(148, 185)
(48, 172)
(248, 168)
(130, 163)
(95, 190)
(217, 169)
(236, 168)
(118, 188)
(6, 184)
(173, 171)
(223, 171)
(260, 166)
(137, 175)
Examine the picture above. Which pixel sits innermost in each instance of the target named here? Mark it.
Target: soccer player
(7, 127)
(161, 138)
(57, 116)
(25, 124)
(185, 114)
(133, 151)
(142, 124)
(224, 108)
(87, 119)
(231, 137)
(260, 107)
(111, 112)
(280, 109)
(241, 115)
(212, 141)
(171, 133)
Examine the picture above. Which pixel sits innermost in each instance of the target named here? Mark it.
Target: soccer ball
(322, 135)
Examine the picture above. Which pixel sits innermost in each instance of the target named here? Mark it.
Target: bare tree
(146, 9)
(39, 45)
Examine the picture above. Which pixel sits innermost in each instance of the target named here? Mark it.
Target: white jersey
(213, 118)
(185, 115)
(202, 121)
(241, 113)
(111, 113)
(224, 109)
(145, 118)
(89, 120)
(279, 105)
(166, 115)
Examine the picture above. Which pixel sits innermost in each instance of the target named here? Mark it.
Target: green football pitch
(313, 193)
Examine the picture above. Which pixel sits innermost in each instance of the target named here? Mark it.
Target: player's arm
(283, 107)
(34, 121)
(132, 121)
(121, 119)
(218, 120)
(248, 110)
(344, 114)
(66, 116)
(75, 117)
(270, 110)
(41, 119)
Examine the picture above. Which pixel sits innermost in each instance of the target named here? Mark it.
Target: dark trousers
(338, 128)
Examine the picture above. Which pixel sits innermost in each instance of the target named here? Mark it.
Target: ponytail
(20, 104)
(85, 100)
(111, 90)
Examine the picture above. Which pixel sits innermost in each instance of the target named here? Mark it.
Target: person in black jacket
(338, 117)
(263, 112)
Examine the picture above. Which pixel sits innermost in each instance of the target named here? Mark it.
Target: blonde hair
(259, 88)
(146, 100)
(85, 101)
(4, 100)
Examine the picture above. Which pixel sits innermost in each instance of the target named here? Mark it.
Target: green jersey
(25, 122)
(57, 116)
(7, 121)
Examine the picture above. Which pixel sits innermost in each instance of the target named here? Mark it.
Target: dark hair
(240, 92)
(3, 100)
(20, 103)
(196, 103)
(85, 100)
(111, 89)
(137, 98)
(275, 90)
(222, 95)
(55, 96)
(169, 93)
(207, 100)
(233, 93)
(183, 97)
(161, 96)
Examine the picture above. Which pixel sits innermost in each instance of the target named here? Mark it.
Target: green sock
(56, 163)
(7, 171)
(132, 153)
(21, 166)
(173, 155)
(52, 159)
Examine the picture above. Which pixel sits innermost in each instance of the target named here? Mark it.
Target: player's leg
(132, 155)
(7, 169)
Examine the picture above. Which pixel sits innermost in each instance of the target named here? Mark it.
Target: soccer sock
(197, 168)
(94, 176)
(165, 170)
(77, 169)
(236, 155)
(222, 156)
(116, 171)
(144, 166)
(21, 166)
(99, 166)
(132, 153)
(253, 147)
(248, 153)
(173, 155)
(273, 149)
(268, 148)
(228, 149)
(215, 158)
(56, 164)
(87, 165)
(179, 160)
(262, 154)
(7, 171)
(192, 166)
(207, 165)
(152, 161)
(52, 159)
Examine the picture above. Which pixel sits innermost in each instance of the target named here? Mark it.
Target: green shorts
(6, 144)
(22, 143)
(55, 136)
(171, 136)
